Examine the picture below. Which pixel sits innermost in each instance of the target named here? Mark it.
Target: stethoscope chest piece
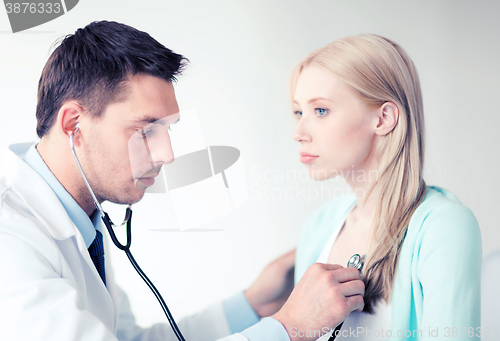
(356, 261)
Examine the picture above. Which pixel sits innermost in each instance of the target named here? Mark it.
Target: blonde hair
(380, 71)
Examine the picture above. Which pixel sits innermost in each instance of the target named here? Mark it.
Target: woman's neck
(364, 211)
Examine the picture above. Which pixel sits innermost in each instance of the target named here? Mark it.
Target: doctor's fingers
(353, 292)
(343, 275)
(323, 267)
(346, 297)
(352, 288)
(355, 302)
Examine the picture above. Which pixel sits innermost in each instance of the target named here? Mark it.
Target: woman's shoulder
(442, 215)
(441, 202)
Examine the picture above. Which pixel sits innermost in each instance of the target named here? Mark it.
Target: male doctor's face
(126, 147)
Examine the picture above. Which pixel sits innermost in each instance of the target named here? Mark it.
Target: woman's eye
(297, 113)
(321, 112)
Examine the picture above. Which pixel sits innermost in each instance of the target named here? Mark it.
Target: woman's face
(335, 128)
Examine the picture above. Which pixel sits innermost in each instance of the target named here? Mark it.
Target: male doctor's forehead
(149, 100)
(92, 65)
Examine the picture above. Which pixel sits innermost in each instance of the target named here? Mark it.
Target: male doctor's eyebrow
(155, 120)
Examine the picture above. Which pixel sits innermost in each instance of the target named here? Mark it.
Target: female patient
(359, 114)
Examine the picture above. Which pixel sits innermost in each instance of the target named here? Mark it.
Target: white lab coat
(49, 287)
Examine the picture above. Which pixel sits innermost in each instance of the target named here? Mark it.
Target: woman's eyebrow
(316, 99)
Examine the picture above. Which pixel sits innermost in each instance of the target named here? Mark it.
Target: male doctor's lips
(307, 158)
(148, 180)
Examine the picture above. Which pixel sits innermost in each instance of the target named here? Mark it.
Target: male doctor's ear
(77, 129)
(69, 120)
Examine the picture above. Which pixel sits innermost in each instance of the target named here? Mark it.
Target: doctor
(114, 81)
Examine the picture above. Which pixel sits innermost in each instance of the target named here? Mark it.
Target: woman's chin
(318, 174)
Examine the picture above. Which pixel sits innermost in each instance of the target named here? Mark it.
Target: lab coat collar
(86, 226)
(21, 179)
(37, 194)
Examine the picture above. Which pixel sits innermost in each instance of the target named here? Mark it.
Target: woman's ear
(388, 115)
(68, 116)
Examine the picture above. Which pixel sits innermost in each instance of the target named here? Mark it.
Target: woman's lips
(305, 158)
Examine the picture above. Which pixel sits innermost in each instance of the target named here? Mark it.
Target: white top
(358, 325)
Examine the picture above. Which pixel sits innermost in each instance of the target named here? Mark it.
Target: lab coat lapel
(110, 278)
(44, 204)
(36, 193)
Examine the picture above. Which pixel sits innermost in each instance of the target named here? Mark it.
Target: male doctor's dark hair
(92, 67)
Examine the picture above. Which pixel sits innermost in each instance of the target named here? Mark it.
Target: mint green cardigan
(438, 276)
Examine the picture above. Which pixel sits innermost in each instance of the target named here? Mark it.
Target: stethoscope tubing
(126, 248)
(108, 223)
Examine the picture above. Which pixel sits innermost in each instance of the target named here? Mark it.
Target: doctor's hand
(322, 299)
(273, 287)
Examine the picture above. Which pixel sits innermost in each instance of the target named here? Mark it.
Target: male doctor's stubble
(142, 95)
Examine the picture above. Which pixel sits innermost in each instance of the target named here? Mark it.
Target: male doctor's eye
(321, 112)
(145, 133)
(172, 127)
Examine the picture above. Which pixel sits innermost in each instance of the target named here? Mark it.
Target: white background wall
(241, 56)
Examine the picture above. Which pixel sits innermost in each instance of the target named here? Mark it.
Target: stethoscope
(357, 262)
(126, 248)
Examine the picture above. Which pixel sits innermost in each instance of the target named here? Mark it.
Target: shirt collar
(85, 225)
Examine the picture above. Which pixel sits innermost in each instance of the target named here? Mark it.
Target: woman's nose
(301, 133)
